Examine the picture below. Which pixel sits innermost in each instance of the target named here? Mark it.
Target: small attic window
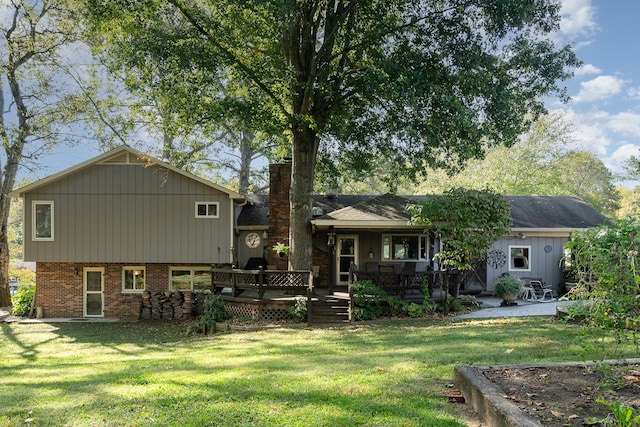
(317, 211)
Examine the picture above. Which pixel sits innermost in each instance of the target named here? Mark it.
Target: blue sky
(605, 109)
(605, 92)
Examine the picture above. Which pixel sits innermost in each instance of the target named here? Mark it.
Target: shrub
(367, 300)
(22, 300)
(605, 260)
(214, 311)
(397, 306)
(414, 310)
(299, 309)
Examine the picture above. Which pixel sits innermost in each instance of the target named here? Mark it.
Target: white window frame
(192, 270)
(423, 247)
(528, 257)
(134, 268)
(34, 235)
(207, 204)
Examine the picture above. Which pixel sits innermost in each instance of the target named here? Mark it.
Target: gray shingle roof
(539, 212)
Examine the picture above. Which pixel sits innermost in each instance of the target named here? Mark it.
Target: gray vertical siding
(543, 265)
(130, 213)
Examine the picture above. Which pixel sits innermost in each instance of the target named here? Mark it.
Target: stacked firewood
(166, 305)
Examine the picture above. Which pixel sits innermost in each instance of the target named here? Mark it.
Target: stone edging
(488, 401)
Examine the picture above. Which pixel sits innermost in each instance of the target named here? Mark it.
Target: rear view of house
(103, 232)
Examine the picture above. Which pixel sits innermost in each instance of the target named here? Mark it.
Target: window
(133, 279)
(519, 258)
(206, 209)
(190, 279)
(42, 220)
(404, 247)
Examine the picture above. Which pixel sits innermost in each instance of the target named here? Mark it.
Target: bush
(299, 309)
(367, 300)
(605, 260)
(23, 299)
(214, 311)
(414, 310)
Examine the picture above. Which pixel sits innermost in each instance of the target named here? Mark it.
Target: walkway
(490, 307)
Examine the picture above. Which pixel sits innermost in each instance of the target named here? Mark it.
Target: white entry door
(93, 292)
(346, 254)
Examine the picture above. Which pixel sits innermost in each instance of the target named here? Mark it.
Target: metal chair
(541, 291)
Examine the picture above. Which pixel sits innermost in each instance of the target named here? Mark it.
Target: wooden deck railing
(401, 283)
(398, 283)
(261, 280)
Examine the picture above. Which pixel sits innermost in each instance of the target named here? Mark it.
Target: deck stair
(328, 310)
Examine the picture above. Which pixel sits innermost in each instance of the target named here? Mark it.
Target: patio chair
(541, 291)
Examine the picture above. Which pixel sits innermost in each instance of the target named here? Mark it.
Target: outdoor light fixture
(265, 235)
(331, 238)
(371, 253)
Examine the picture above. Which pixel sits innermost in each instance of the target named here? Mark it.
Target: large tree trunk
(304, 151)
(9, 179)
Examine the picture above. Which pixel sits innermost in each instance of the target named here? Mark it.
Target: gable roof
(122, 155)
(552, 212)
(541, 213)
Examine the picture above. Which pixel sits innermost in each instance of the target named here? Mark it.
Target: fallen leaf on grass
(556, 413)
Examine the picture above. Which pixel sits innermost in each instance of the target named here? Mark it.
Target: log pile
(169, 305)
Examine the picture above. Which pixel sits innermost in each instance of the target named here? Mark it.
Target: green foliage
(414, 310)
(506, 284)
(406, 82)
(281, 249)
(624, 415)
(468, 221)
(214, 311)
(540, 163)
(429, 305)
(22, 300)
(367, 300)
(299, 309)
(397, 306)
(604, 261)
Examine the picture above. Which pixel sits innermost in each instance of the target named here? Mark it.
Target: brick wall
(59, 289)
(279, 186)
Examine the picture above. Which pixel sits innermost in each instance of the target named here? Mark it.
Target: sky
(605, 92)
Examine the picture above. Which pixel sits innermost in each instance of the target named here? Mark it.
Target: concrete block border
(487, 399)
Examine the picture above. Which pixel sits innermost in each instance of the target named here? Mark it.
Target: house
(106, 230)
(372, 232)
(107, 233)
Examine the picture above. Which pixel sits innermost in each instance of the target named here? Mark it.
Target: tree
(538, 164)
(37, 39)
(467, 222)
(583, 175)
(186, 117)
(415, 82)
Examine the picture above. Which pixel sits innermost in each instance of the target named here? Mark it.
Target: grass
(153, 374)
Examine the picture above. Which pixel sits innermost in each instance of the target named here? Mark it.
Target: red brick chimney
(279, 206)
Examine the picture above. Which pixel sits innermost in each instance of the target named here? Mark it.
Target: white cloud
(590, 132)
(625, 123)
(602, 87)
(587, 69)
(634, 92)
(577, 17)
(616, 161)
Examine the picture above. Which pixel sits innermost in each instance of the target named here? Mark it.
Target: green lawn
(153, 374)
